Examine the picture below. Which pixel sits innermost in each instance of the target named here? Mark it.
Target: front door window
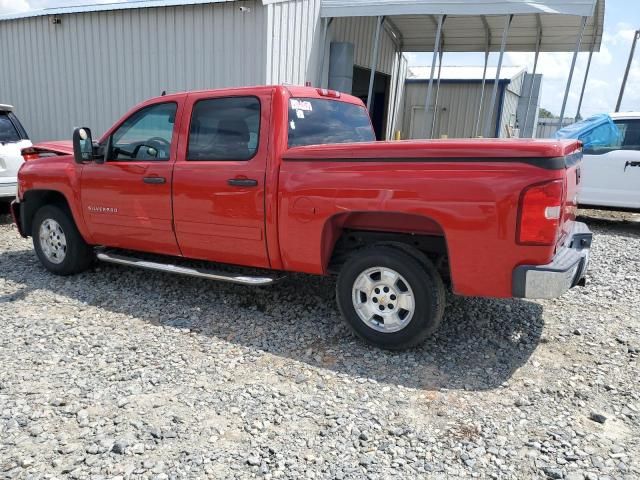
(146, 135)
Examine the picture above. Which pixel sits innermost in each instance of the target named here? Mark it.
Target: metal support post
(374, 61)
(325, 29)
(487, 48)
(396, 95)
(573, 64)
(533, 78)
(494, 91)
(435, 103)
(626, 72)
(584, 82)
(476, 130)
(436, 47)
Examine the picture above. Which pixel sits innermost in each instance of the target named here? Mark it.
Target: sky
(622, 18)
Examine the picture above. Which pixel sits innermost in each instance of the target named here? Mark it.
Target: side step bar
(120, 259)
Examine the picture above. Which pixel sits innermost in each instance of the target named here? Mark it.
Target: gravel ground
(121, 373)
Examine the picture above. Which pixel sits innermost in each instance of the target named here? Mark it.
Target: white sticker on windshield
(292, 124)
(300, 113)
(301, 105)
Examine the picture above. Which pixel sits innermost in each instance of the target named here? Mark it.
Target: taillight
(540, 213)
(328, 93)
(30, 153)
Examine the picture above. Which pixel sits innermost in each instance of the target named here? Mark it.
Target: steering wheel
(159, 143)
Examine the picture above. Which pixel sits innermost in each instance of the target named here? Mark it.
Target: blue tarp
(596, 131)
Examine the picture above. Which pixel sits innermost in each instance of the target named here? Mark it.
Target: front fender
(51, 180)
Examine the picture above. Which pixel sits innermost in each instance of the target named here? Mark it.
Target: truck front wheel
(390, 298)
(58, 243)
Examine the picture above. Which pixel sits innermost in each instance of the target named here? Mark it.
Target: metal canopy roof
(465, 73)
(414, 22)
(469, 23)
(373, 8)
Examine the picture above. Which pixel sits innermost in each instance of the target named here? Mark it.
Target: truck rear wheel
(390, 298)
(58, 243)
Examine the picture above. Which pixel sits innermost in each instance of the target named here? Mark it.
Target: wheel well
(434, 247)
(34, 199)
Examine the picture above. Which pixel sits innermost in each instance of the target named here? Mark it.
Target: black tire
(77, 257)
(5, 206)
(422, 279)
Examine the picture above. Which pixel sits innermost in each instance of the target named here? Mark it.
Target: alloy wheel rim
(53, 241)
(383, 299)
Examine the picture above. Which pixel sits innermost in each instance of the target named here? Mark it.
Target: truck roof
(292, 90)
(620, 115)
(6, 108)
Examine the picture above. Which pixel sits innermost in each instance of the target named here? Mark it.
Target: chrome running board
(120, 259)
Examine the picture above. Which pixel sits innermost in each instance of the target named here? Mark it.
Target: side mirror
(82, 145)
(100, 152)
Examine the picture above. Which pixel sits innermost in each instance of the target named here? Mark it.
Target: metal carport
(478, 26)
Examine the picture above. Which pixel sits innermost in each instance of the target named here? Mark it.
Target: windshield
(315, 121)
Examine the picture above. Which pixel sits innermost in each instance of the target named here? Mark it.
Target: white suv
(13, 138)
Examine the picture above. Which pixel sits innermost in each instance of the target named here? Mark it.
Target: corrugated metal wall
(529, 105)
(360, 31)
(457, 109)
(510, 106)
(293, 42)
(93, 67)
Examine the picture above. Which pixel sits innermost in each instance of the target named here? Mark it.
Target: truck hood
(549, 153)
(63, 147)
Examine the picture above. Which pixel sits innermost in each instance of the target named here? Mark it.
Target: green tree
(544, 113)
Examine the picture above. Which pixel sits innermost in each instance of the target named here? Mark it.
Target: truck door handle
(154, 180)
(242, 182)
(631, 164)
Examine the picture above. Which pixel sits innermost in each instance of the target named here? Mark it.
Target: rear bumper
(567, 269)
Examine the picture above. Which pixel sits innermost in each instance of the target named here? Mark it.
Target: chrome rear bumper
(567, 269)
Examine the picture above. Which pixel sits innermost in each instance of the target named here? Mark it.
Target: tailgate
(571, 187)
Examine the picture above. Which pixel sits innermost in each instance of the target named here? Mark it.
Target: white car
(13, 138)
(610, 174)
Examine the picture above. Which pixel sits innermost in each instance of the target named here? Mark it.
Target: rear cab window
(315, 121)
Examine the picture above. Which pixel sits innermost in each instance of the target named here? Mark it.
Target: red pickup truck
(290, 179)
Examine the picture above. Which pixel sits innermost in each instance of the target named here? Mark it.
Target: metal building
(458, 98)
(88, 65)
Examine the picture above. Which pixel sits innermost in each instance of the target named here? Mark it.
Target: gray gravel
(121, 373)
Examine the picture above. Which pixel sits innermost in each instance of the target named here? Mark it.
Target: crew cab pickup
(291, 179)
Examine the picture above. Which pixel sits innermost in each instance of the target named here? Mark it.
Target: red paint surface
(293, 217)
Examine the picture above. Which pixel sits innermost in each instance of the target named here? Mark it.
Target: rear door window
(8, 131)
(314, 121)
(224, 129)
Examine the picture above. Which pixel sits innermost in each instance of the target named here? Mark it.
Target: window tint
(145, 135)
(629, 133)
(8, 131)
(224, 129)
(318, 121)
